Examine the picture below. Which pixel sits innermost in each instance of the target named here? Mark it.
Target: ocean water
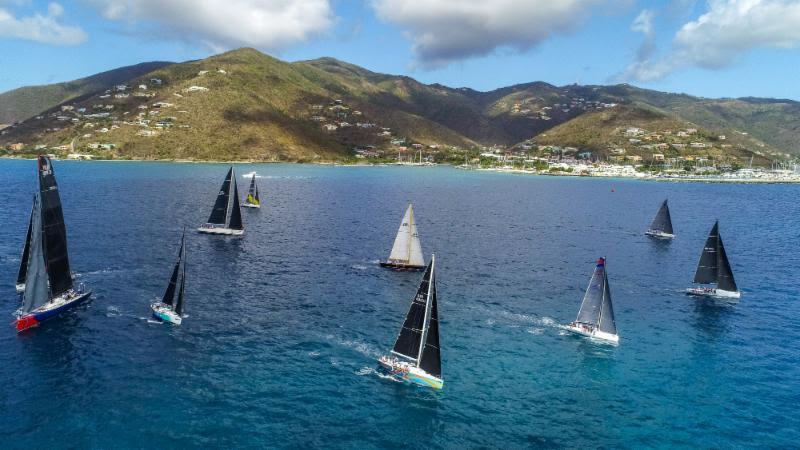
(285, 324)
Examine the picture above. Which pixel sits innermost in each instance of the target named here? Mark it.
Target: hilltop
(246, 105)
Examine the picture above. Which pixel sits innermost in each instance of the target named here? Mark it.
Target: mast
(37, 292)
(426, 321)
(409, 339)
(54, 231)
(219, 213)
(23, 262)
(707, 267)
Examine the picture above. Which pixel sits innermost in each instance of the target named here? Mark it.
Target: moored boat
(252, 200)
(416, 356)
(714, 268)
(49, 286)
(169, 308)
(662, 224)
(406, 252)
(596, 316)
(226, 216)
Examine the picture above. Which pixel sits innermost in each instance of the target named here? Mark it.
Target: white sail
(407, 248)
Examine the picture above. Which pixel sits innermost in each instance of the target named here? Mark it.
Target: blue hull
(33, 319)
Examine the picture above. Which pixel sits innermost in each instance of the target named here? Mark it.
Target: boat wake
(113, 311)
(358, 267)
(369, 371)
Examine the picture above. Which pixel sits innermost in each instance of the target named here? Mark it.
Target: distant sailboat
(49, 287)
(714, 267)
(226, 217)
(596, 316)
(662, 224)
(407, 250)
(170, 309)
(416, 356)
(23, 262)
(252, 201)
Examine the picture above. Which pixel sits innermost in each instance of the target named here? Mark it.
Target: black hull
(400, 266)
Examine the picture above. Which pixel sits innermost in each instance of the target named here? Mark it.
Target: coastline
(712, 179)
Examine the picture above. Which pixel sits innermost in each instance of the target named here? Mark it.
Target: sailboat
(170, 309)
(415, 356)
(226, 216)
(662, 224)
(714, 267)
(407, 251)
(596, 316)
(23, 262)
(49, 287)
(252, 200)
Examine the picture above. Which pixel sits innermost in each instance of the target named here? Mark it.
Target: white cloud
(445, 31)
(267, 24)
(728, 30)
(44, 28)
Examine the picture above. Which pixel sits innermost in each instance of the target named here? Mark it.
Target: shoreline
(639, 176)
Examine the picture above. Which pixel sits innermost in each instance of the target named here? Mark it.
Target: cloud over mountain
(446, 31)
(43, 28)
(266, 24)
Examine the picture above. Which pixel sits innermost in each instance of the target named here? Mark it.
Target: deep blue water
(285, 323)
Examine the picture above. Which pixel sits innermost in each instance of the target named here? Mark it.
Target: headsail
(252, 193)
(607, 322)
(169, 294)
(410, 337)
(180, 301)
(407, 247)
(725, 279)
(36, 289)
(54, 230)
(234, 221)
(592, 304)
(707, 267)
(662, 222)
(220, 211)
(430, 358)
(23, 263)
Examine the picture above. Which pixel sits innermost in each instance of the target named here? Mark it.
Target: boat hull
(250, 205)
(593, 333)
(659, 234)
(412, 374)
(401, 266)
(165, 314)
(20, 288)
(50, 310)
(210, 229)
(713, 293)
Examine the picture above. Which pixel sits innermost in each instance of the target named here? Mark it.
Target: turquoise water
(285, 324)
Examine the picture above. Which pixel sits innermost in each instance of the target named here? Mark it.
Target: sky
(713, 48)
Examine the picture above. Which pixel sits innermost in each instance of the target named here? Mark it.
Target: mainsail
(23, 263)
(234, 221)
(593, 299)
(252, 193)
(53, 230)
(707, 267)
(169, 294)
(662, 222)
(606, 322)
(407, 247)
(36, 290)
(725, 279)
(418, 339)
(220, 211)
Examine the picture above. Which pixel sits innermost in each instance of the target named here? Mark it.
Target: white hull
(409, 372)
(659, 234)
(209, 229)
(593, 333)
(713, 293)
(250, 205)
(165, 313)
(20, 288)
